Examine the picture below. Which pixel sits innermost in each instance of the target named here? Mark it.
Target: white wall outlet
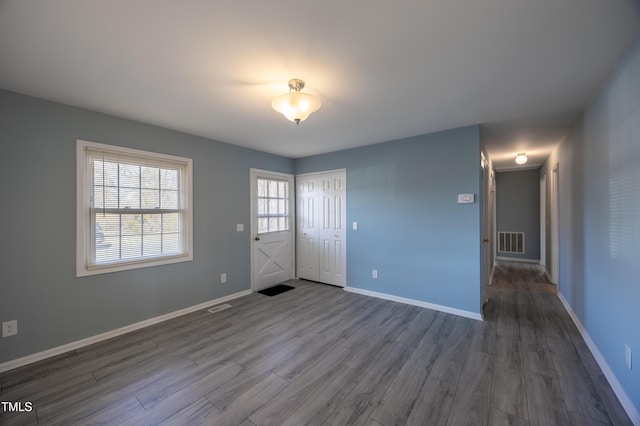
(355, 226)
(374, 273)
(627, 356)
(223, 278)
(240, 227)
(9, 328)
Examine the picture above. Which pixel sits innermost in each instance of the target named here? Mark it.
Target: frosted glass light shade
(296, 106)
(521, 159)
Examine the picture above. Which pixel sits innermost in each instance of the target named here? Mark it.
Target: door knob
(485, 240)
(257, 238)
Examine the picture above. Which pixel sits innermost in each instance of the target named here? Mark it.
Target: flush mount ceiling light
(521, 159)
(296, 106)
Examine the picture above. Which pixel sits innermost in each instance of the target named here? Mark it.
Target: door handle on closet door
(257, 238)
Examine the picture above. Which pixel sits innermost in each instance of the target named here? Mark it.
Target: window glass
(273, 202)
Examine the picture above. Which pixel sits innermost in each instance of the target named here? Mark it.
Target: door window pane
(273, 202)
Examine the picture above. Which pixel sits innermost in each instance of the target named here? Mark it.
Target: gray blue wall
(403, 194)
(600, 219)
(518, 209)
(38, 286)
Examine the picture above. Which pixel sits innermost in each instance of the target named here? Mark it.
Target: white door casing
(555, 189)
(272, 228)
(485, 269)
(321, 220)
(543, 220)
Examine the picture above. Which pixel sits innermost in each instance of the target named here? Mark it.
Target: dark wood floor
(320, 355)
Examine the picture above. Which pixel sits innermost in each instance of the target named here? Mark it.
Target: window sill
(84, 271)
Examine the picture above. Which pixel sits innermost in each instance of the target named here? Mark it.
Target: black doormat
(275, 290)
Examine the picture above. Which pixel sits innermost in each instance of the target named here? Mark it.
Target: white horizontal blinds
(137, 209)
(273, 205)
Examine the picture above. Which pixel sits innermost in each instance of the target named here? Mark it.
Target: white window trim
(83, 203)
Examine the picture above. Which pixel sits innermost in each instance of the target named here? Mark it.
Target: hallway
(540, 357)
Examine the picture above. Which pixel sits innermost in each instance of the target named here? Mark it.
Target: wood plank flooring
(318, 355)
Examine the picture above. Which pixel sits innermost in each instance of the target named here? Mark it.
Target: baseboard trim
(414, 302)
(39, 356)
(627, 404)
(548, 275)
(518, 259)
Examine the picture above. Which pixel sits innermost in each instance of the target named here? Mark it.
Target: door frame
(494, 223)
(485, 236)
(253, 175)
(543, 220)
(555, 217)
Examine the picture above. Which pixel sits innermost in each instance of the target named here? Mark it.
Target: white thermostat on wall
(466, 198)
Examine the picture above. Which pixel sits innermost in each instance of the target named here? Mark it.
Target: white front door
(271, 228)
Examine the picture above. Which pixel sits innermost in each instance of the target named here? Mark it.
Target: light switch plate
(240, 227)
(355, 226)
(466, 198)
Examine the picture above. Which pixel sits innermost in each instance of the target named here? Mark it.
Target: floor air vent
(511, 242)
(219, 308)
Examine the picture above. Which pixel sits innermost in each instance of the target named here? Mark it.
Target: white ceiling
(383, 69)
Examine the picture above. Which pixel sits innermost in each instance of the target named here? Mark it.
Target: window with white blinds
(133, 209)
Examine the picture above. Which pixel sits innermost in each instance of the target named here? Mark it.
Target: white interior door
(321, 217)
(271, 228)
(332, 232)
(307, 243)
